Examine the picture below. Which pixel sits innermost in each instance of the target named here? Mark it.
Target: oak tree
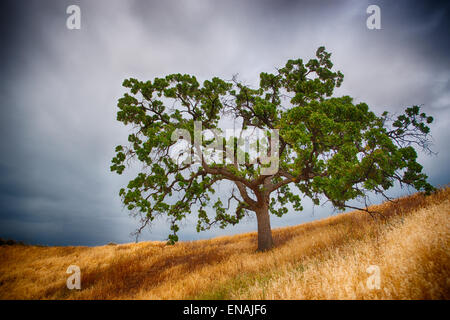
(329, 148)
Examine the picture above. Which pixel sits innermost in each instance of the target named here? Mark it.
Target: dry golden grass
(325, 259)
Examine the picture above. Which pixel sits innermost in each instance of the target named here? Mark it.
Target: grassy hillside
(325, 259)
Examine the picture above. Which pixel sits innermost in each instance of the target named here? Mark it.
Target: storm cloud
(59, 90)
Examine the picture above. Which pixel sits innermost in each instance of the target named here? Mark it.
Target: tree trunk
(265, 241)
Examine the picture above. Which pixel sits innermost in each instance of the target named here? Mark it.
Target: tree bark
(265, 241)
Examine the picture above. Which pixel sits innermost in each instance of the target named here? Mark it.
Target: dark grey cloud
(59, 89)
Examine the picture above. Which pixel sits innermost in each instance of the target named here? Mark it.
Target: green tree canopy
(330, 148)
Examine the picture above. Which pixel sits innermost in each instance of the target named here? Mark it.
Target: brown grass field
(325, 259)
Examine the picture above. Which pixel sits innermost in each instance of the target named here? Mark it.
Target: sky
(59, 90)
